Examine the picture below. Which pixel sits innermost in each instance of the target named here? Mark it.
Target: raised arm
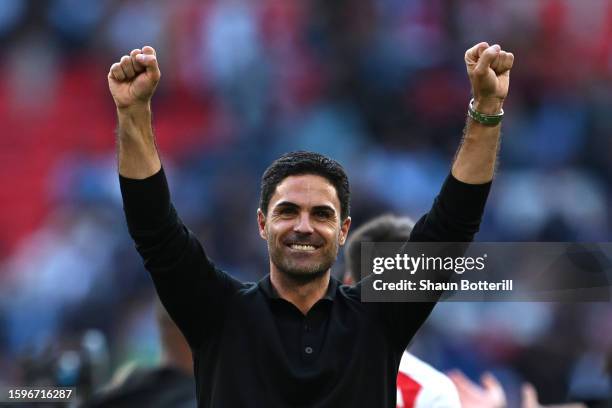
(192, 290)
(488, 68)
(457, 211)
(132, 82)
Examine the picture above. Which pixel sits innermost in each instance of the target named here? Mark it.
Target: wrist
(487, 119)
(135, 110)
(134, 122)
(488, 106)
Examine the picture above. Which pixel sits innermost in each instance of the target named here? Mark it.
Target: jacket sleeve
(455, 216)
(194, 292)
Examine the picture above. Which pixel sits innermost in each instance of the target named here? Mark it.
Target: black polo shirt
(252, 348)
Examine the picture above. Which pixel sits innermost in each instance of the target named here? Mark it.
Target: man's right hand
(132, 80)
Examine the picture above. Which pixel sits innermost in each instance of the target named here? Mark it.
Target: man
(167, 385)
(276, 343)
(419, 385)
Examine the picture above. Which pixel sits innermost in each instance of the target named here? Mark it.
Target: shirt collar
(265, 284)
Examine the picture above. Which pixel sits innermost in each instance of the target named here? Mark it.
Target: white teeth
(303, 247)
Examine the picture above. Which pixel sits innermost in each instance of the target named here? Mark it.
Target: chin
(304, 274)
(301, 267)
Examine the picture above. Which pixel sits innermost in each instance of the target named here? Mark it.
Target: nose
(302, 224)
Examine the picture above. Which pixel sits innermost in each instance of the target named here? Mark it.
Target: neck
(303, 294)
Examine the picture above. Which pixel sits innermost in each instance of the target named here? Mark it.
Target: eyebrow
(289, 204)
(324, 208)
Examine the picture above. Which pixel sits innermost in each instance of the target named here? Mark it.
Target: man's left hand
(488, 68)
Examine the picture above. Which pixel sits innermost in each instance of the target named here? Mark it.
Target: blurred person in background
(276, 342)
(491, 394)
(419, 385)
(167, 385)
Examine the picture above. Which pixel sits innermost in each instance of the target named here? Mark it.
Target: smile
(302, 247)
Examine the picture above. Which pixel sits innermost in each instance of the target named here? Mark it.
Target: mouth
(303, 247)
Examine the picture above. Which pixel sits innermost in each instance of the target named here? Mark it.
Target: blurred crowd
(379, 85)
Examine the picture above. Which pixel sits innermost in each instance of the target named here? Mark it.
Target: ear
(344, 229)
(261, 223)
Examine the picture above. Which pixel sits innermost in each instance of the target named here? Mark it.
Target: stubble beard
(299, 273)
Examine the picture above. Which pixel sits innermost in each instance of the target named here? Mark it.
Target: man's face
(303, 226)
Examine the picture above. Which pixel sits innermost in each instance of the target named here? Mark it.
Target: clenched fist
(132, 80)
(488, 68)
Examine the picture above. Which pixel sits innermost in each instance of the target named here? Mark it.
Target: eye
(287, 211)
(323, 214)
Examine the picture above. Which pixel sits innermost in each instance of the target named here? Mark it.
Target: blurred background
(379, 85)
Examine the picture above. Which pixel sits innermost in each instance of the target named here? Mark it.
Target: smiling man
(303, 216)
(297, 337)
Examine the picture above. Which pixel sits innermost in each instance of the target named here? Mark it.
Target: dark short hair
(299, 163)
(384, 228)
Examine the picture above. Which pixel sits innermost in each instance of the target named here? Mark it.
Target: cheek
(330, 232)
(277, 228)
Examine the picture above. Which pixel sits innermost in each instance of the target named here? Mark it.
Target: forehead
(306, 190)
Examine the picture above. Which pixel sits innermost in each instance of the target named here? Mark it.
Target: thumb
(149, 61)
(486, 59)
(148, 50)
